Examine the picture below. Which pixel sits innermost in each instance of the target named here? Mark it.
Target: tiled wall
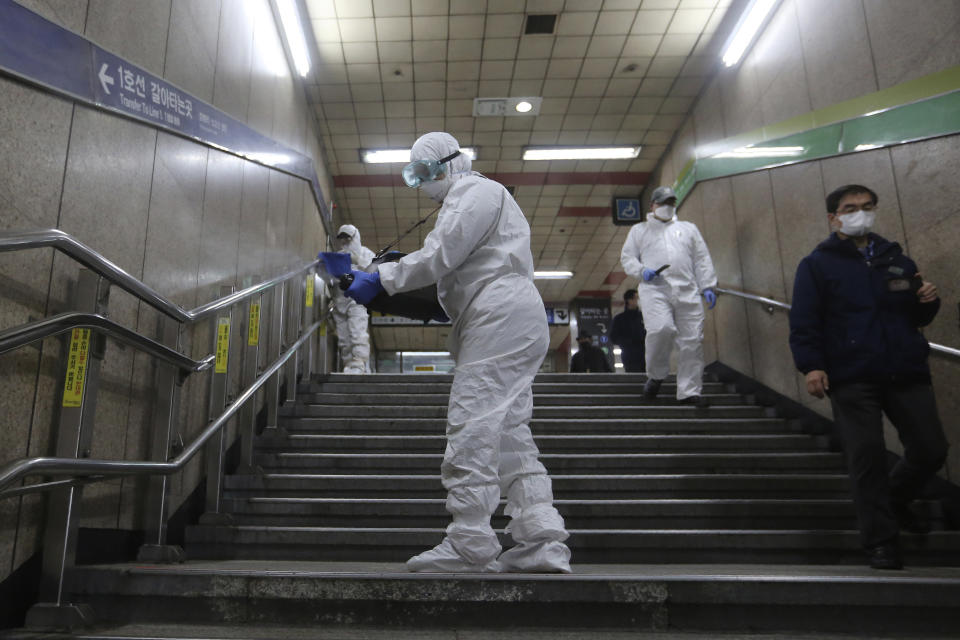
(815, 53)
(182, 217)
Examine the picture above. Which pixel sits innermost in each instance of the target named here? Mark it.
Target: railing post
(273, 352)
(247, 425)
(217, 445)
(293, 330)
(82, 355)
(169, 385)
(309, 313)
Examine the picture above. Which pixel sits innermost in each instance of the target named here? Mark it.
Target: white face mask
(858, 223)
(664, 212)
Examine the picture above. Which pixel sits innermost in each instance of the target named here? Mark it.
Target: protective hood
(435, 146)
(359, 254)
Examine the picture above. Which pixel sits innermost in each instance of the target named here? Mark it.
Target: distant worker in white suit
(672, 263)
(350, 317)
(479, 255)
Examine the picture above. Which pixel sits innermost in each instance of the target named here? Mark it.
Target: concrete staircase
(720, 518)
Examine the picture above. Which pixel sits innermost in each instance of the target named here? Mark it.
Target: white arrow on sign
(105, 78)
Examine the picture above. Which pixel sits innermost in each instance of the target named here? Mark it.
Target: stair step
(584, 413)
(371, 398)
(548, 443)
(678, 426)
(548, 378)
(565, 486)
(579, 514)
(383, 601)
(384, 544)
(668, 389)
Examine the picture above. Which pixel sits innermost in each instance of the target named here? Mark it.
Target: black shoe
(885, 556)
(907, 519)
(698, 401)
(651, 388)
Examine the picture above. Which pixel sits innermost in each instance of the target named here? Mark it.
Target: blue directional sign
(36, 50)
(626, 211)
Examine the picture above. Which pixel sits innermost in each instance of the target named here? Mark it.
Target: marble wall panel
(757, 236)
(135, 31)
(872, 169)
(232, 90)
(798, 200)
(279, 193)
(770, 346)
(708, 114)
(780, 71)
(740, 97)
(71, 14)
(266, 65)
(253, 221)
(192, 46)
(836, 50)
(909, 40)
(720, 233)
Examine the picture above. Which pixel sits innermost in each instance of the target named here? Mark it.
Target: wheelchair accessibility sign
(626, 211)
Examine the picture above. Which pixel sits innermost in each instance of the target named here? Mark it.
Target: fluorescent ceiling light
(523, 107)
(762, 152)
(618, 365)
(552, 275)
(616, 350)
(293, 30)
(746, 30)
(374, 156)
(407, 354)
(581, 153)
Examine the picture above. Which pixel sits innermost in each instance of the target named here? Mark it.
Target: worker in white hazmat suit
(673, 265)
(350, 317)
(479, 255)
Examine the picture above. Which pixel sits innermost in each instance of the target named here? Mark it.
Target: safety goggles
(425, 170)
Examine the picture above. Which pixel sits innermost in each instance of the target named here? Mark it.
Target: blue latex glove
(365, 286)
(710, 297)
(649, 274)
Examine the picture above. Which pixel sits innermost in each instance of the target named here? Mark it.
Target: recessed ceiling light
(552, 275)
(523, 107)
(581, 153)
(377, 156)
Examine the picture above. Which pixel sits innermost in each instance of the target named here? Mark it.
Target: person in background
(479, 255)
(672, 263)
(350, 318)
(589, 359)
(858, 305)
(629, 333)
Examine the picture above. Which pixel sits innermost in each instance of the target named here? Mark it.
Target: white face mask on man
(664, 212)
(856, 224)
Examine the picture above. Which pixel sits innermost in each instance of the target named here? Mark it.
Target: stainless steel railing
(771, 305)
(289, 329)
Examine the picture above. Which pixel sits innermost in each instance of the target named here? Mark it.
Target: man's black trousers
(912, 408)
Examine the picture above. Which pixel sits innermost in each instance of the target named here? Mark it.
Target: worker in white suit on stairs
(351, 318)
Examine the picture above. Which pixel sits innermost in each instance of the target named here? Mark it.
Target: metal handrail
(93, 260)
(79, 467)
(776, 304)
(16, 337)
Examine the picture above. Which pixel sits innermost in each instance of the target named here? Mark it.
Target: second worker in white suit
(670, 259)
(350, 317)
(479, 255)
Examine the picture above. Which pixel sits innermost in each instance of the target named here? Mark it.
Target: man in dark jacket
(629, 334)
(589, 359)
(858, 304)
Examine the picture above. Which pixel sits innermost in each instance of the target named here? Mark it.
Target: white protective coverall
(479, 255)
(351, 317)
(671, 303)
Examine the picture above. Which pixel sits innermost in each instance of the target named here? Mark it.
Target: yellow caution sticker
(310, 290)
(253, 328)
(77, 360)
(323, 328)
(424, 367)
(223, 344)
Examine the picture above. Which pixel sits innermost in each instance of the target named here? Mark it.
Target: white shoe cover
(549, 556)
(443, 558)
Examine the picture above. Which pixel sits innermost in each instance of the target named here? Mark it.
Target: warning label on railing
(309, 289)
(223, 344)
(253, 331)
(76, 368)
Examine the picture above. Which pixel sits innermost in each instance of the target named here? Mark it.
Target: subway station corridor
(206, 431)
